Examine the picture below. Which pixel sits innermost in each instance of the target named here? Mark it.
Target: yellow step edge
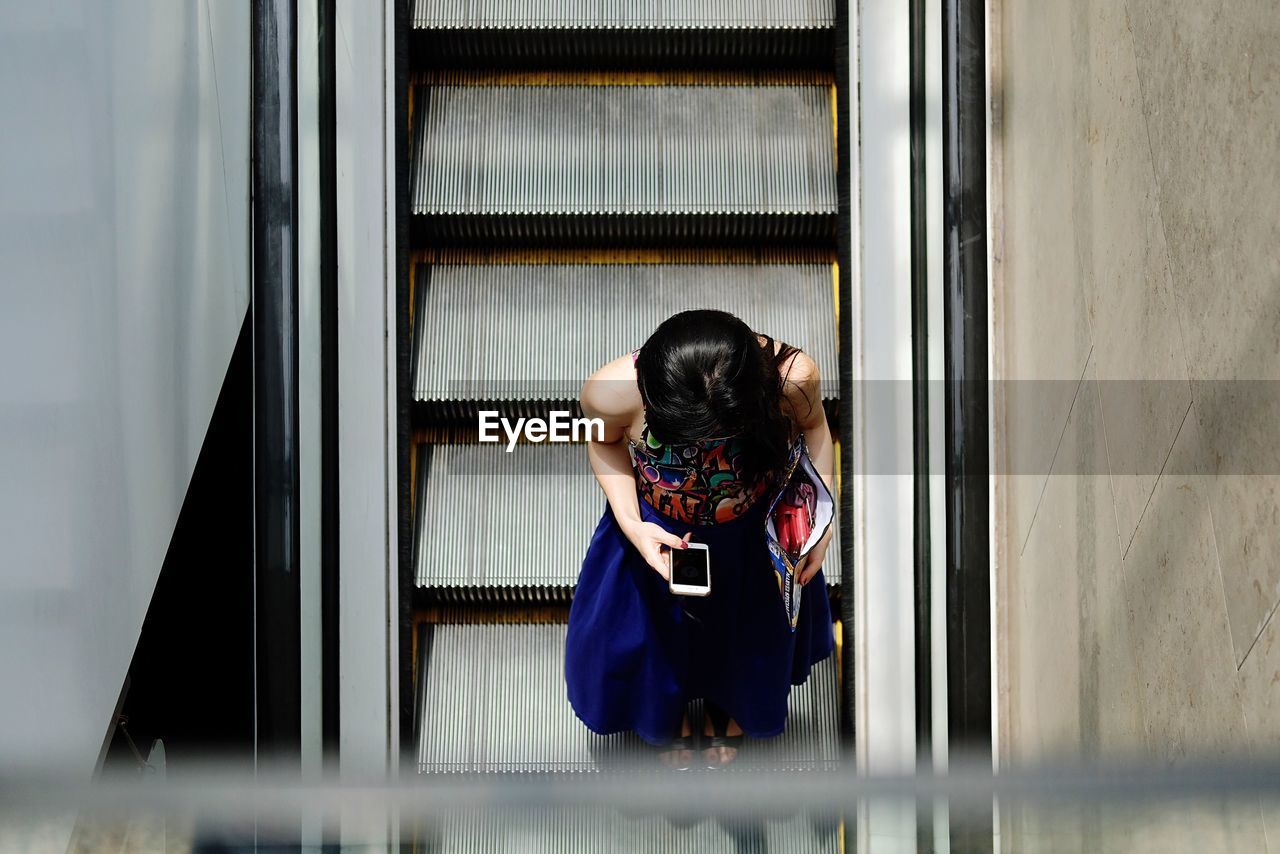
(835, 126)
(498, 257)
(413, 480)
(623, 78)
(839, 636)
(409, 119)
(413, 293)
(835, 293)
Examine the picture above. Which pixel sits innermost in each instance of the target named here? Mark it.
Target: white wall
(124, 280)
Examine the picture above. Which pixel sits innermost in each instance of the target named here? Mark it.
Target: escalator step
(617, 34)
(493, 334)
(623, 14)
(589, 831)
(624, 164)
(529, 516)
(510, 680)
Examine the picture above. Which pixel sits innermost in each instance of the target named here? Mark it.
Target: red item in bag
(793, 517)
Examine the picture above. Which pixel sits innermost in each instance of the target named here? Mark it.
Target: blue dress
(636, 653)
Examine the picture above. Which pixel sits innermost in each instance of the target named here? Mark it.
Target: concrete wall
(1136, 149)
(124, 245)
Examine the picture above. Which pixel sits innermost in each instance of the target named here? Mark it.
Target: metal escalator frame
(274, 311)
(846, 198)
(967, 411)
(967, 390)
(403, 296)
(330, 706)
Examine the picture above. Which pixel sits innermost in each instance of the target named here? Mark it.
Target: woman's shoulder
(611, 391)
(801, 386)
(798, 370)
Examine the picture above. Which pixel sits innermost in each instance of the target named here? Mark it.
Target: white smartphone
(689, 570)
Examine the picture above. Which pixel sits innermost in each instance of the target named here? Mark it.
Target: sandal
(674, 747)
(720, 737)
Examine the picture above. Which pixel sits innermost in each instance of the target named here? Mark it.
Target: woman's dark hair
(703, 374)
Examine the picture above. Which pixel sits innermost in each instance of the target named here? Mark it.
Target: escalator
(577, 174)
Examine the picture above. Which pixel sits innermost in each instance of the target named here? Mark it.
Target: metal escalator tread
(624, 149)
(529, 513)
(510, 680)
(623, 164)
(529, 518)
(588, 34)
(511, 333)
(614, 829)
(623, 14)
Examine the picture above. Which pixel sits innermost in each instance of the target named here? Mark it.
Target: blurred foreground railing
(221, 799)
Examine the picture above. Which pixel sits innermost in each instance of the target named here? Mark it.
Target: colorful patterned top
(700, 483)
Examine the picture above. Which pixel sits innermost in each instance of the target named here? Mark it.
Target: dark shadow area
(594, 48)
(191, 679)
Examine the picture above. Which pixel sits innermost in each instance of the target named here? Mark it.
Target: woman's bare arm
(610, 395)
(605, 395)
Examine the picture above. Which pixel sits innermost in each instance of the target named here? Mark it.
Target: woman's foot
(678, 755)
(720, 744)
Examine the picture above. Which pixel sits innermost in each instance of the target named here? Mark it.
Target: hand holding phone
(652, 542)
(690, 570)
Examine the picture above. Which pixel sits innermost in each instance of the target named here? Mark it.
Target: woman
(697, 426)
